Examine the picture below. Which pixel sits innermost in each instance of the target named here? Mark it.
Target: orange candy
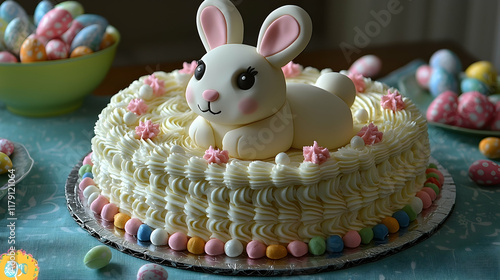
(120, 220)
(391, 224)
(32, 50)
(276, 252)
(107, 40)
(196, 245)
(80, 51)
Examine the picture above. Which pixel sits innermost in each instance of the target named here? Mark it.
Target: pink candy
(178, 241)
(132, 226)
(475, 109)
(214, 247)
(6, 147)
(87, 181)
(297, 248)
(485, 172)
(109, 211)
(98, 204)
(352, 239)
(256, 249)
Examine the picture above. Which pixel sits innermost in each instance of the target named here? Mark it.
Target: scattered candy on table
(152, 271)
(485, 172)
(98, 257)
(490, 147)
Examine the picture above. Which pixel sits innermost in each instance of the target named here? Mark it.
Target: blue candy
(88, 174)
(380, 232)
(334, 244)
(402, 218)
(144, 233)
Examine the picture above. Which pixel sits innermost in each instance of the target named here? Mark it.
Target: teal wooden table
(467, 246)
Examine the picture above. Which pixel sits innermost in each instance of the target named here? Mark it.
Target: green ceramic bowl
(49, 88)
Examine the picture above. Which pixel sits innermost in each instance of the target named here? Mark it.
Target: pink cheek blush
(189, 95)
(248, 106)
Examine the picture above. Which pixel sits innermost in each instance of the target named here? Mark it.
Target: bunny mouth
(208, 110)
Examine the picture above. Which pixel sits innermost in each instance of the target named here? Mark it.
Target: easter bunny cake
(243, 150)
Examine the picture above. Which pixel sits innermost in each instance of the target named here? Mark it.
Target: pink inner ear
(279, 35)
(214, 26)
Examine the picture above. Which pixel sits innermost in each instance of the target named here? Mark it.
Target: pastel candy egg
(351, 239)
(56, 49)
(80, 51)
(443, 109)
(132, 226)
(108, 211)
(485, 172)
(423, 75)
(144, 233)
(233, 248)
(483, 71)
(276, 251)
(54, 23)
(32, 50)
(334, 244)
(446, 60)
(159, 237)
(120, 219)
(475, 110)
(6, 146)
(473, 84)
(107, 40)
(317, 246)
(16, 32)
(98, 204)
(178, 241)
(70, 34)
(73, 7)
(214, 247)
(90, 190)
(7, 57)
(97, 257)
(297, 248)
(196, 245)
(9, 10)
(89, 19)
(490, 147)
(442, 81)
(256, 249)
(89, 36)
(152, 271)
(5, 163)
(41, 9)
(368, 66)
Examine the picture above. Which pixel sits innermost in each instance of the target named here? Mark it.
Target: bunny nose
(210, 95)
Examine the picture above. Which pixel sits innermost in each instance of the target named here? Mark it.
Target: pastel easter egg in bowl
(54, 87)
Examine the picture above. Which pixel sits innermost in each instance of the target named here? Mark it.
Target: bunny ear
(284, 34)
(219, 23)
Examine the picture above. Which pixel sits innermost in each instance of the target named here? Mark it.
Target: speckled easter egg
(89, 19)
(7, 57)
(98, 257)
(368, 66)
(423, 75)
(70, 34)
(41, 9)
(490, 147)
(473, 84)
(73, 7)
(442, 81)
(80, 51)
(10, 10)
(32, 50)
(56, 49)
(443, 109)
(90, 36)
(152, 271)
(485, 172)
(5, 163)
(6, 146)
(107, 40)
(16, 32)
(495, 121)
(54, 23)
(475, 110)
(483, 71)
(446, 60)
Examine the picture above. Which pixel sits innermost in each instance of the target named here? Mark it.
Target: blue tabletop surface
(467, 246)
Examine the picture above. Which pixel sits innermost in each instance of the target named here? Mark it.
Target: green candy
(97, 257)
(433, 187)
(366, 235)
(317, 246)
(84, 169)
(432, 175)
(411, 213)
(432, 165)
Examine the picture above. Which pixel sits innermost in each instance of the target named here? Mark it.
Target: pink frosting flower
(188, 68)
(216, 156)
(359, 81)
(291, 69)
(156, 84)
(393, 101)
(147, 129)
(370, 134)
(315, 153)
(137, 106)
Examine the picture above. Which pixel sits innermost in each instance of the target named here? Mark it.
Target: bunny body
(240, 94)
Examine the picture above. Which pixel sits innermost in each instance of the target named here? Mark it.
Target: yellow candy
(391, 224)
(276, 252)
(5, 163)
(120, 220)
(483, 71)
(490, 147)
(196, 245)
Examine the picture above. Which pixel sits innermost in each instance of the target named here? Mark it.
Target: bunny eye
(200, 70)
(246, 79)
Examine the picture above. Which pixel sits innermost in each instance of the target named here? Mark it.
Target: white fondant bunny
(240, 94)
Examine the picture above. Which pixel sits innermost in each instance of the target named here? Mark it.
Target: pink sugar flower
(156, 84)
(291, 69)
(315, 153)
(137, 106)
(188, 68)
(216, 156)
(393, 101)
(147, 129)
(359, 81)
(370, 134)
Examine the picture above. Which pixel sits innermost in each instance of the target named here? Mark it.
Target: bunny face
(234, 85)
